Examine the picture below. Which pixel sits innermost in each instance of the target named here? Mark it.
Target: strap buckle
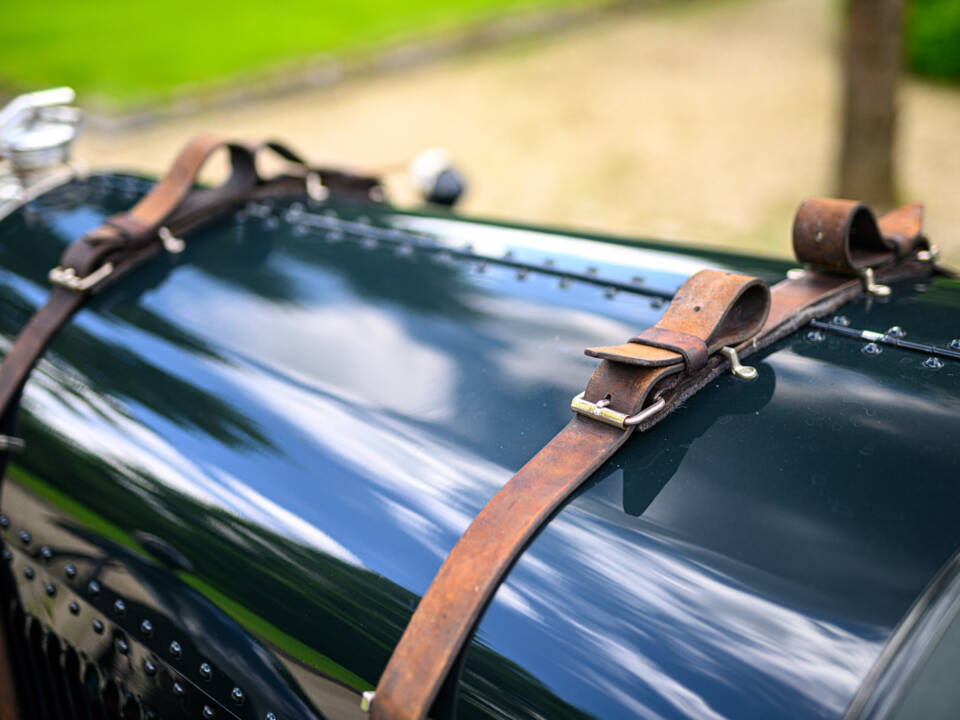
(601, 411)
(68, 278)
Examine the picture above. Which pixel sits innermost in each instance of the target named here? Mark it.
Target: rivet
(206, 672)
(146, 627)
(841, 320)
(46, 553)
(93, 587)
(178, 690)
(4, 522)
(896, 331)
(592, 271)
(270, 716)
(637, 279)
(74, 607)
(97, 627)
(522, 274)
(955, 344)
(565, 282)
(119, 607)
(871, 349)
(237, 695)
(7, 555)
(28, 572)
(50, 589)
(208, 712)
(656, 303)
(25, 537)
(175, 649)
(123, 646)
(610, 293)
(815, 336)
(149, 667)
(70, 571)
(933, 363)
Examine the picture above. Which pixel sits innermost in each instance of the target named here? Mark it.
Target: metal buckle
(68, 278)
(11, 443)
(600, 411)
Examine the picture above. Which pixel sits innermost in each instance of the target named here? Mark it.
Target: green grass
(122, 52)
(932, 38)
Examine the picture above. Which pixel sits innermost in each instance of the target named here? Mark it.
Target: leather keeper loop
(840, 236)
(710, 310)
(692, 348)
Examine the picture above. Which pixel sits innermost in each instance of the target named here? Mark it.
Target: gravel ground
(704, 121)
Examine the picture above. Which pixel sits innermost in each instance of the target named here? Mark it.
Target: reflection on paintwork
(311, 422)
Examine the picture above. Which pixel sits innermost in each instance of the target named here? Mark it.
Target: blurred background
(703, 121)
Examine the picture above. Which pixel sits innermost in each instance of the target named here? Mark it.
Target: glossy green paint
(310, 415)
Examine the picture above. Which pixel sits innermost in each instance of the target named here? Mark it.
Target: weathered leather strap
(713, 309)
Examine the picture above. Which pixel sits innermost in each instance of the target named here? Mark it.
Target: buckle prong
(871, 285)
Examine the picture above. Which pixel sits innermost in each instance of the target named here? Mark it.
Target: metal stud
(70, 570)
(270, 716)
(119, 607)
(955, 344)
(237, 696)
(74, 607)
(4, 522)
(208, 713)
(206, 672)
(816, 336)
(841, 320)
(28, 572)
(93, 587)
(178, 690)
(46, 553)
(175, 649)
(871, 349)
(7, 555)
(25, 537)
(146, 627)
(50, 589)
(896, 331)
(123, 647)
(933, 363)
(98, 627)
(149, 667)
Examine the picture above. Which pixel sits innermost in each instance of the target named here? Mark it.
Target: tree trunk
(871, 69)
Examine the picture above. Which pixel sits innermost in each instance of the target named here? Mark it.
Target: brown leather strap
(716, 309)
(736, 307)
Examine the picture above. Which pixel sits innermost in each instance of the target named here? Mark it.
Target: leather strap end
(633, 354)
(904, 228)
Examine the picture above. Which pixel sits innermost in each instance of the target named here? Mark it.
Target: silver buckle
(601, 411)
(68, 278)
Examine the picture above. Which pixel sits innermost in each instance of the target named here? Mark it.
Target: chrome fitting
(744, 372)
(871, 286)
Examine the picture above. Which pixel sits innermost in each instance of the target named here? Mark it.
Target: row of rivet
(119, 607)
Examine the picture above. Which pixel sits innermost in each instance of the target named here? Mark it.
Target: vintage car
(235, 472)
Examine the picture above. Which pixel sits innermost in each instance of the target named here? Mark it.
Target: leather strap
(712, 309)
(734, 310)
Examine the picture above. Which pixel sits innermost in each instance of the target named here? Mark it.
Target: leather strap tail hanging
(713, 320)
